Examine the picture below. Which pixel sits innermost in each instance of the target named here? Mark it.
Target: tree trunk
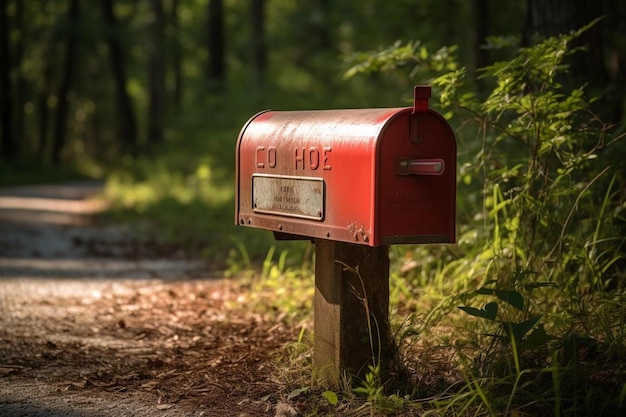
(19, 134)
(552, 17)
(177, 58)
(480, 56)
(7, 147)
(60, 126)
(43, 112)
(156, 107)
(216, 68)
(125, 110)
(616, 24)
(321, 28)
(259, 52)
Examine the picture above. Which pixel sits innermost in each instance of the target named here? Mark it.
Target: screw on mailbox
(298, 176)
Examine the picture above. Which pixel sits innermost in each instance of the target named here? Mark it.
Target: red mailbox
(368, 176)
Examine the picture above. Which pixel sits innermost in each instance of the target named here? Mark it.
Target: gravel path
(91, 324)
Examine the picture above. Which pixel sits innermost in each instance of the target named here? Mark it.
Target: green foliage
(371, 386)
(541, 246)
(541, 172)
(399, 56)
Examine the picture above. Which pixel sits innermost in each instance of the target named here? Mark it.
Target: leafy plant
(371, 387)
(539, 208)
(401, 56)
(515, 333)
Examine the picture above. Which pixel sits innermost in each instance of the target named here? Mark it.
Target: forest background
(88, 85)
(110, 87)
(150, 96)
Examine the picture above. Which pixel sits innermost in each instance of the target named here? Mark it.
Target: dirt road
(96, 323)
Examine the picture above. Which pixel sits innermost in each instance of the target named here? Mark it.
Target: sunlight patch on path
(52, 204)
(63, 204)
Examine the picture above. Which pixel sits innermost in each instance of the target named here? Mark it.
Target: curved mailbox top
(366, 176)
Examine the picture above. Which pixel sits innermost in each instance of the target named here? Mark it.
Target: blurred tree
(8, 147)
(546, 18)
(259, 50)
(616, 55)
(478, 56)
(177, 57)
(313, 33)
(156, 70)
(19, 134)
(43, 109)
(316, 31)
(63, 96)
(144, 51)
(552, 17)
(216, 68)
(125, 110)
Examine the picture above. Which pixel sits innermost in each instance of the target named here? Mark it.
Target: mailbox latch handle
(408, 166)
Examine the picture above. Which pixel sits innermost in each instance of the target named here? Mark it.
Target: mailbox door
(417, 206)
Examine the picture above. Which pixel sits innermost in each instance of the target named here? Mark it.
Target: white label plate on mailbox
(300, 197)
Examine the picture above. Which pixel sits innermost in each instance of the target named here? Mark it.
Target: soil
(96, 323)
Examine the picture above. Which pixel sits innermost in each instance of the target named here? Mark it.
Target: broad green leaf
(538, 337)
(484, 291)
(489, 312)
(519, 330)
(511, 297)
(492, 310)
(331, 397)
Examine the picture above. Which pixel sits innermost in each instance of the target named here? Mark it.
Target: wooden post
(351, 308)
